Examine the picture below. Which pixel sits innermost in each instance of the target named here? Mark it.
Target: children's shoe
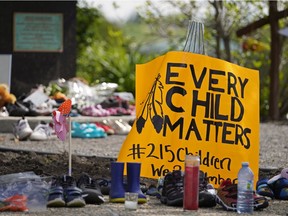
(263, 189)
(56, 194)
(172, 191)
(4, 112)
(119, 126)
(227, 197)
(108, 130)
(41, 132)
(22, 129)
(279, 185)
(72, 194)
(152, 191)
(105, 185)
(206, 192)
(91, 190)
(87, 131)
(16, 110)
(280, 188)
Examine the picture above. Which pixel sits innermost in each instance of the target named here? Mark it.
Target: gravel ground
(273, 155)
(273, 145)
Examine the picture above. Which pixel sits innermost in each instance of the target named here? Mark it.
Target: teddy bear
(5, 96)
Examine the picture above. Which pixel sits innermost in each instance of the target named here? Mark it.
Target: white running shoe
(22, 129)
(41, 132)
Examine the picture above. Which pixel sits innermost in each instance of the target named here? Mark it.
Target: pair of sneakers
(172, 191)
(65, 191)
(23, 131)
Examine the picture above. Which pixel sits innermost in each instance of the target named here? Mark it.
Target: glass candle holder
(191, 183)
(131, 201)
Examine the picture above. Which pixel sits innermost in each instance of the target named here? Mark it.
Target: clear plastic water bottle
(245, 198)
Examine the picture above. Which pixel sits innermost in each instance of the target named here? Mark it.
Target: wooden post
(275, 62)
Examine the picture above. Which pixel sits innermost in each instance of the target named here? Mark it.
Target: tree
(104, 54)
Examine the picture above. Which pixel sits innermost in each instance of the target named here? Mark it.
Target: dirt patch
(53, 164)
(57, 165)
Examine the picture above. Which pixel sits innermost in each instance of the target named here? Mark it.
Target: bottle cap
(245, 163)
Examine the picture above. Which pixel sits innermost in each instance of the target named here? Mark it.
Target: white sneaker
(41, 132)
(22, 129)
(4, 112)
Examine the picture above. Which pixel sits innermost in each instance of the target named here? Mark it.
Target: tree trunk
(226, 41)
(275, 61)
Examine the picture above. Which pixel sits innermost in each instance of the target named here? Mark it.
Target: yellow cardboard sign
(194, 104)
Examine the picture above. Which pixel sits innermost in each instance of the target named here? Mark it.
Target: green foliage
(104, 54)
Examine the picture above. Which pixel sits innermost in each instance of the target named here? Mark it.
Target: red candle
(191, 184)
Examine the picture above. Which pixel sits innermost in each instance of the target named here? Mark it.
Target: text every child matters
(211, 104)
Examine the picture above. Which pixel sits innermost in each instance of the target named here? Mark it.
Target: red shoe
(108, 130)
(227, 197)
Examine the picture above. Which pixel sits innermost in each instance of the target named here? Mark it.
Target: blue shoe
(87, 131)
(152, 191)
(72, 194)
(263, 189)
(56, 197)
(280, 188)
